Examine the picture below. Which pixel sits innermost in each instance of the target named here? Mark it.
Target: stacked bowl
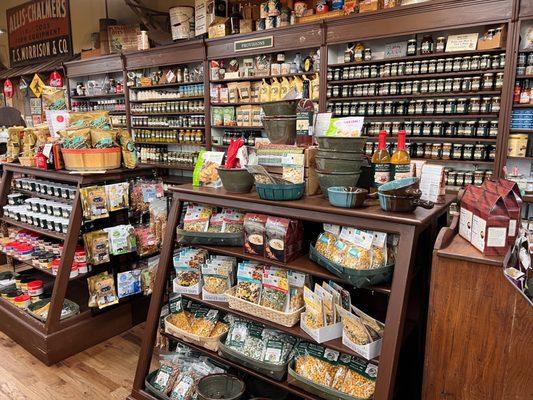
(338, 161)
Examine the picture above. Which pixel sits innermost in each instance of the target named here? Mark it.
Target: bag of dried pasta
(314, 309)
(379, 250)
(13, 142)
(204, 322)
(356, 377)
(353, 328)
(316, 363)
(356, 253)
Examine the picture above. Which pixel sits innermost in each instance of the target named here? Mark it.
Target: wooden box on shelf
(495, 42)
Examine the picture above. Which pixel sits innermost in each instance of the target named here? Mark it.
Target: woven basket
(27, 161)
(210, 343)
(92, 159)
(281, 318)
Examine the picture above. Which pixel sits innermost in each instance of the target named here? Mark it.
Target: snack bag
(128, 283)
(103, 138)
(105, 291)
(215, 222)
(275, 90)
(117, 196)
(275, 291)
(328, 305)
(379, 250)
(316, 363)
(314, 309)
(129, 152)
(97, 247)
(205, 171)
(197, 218)
(121, 239)
(296, 290)
(92, 119)
(264, 92)
(216, 277)
(94, 202)
(54, 98)
(204, 322)
(249, 277)
(76, 138)
(232, 220)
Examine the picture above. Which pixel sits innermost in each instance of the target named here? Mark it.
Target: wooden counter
(478, 343)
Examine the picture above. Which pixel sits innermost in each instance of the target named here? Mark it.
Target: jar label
(381, 174)
(401, 171)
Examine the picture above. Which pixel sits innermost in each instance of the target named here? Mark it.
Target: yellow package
(298, 83)
(264, 92)
(353, 328)
(285, 87)
(314, 309)
(314, 87)
(275, 90)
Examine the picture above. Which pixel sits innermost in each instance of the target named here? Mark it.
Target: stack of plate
(338, 161)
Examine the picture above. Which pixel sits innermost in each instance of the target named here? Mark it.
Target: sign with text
(38, 30)
(464, 42)
(254, 44)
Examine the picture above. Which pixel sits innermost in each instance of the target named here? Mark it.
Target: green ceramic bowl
(236, 180)
(330, 179)
(346, 155)
(338, 164)
(341, 143)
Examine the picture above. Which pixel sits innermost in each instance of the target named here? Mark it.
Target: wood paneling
(526, 9)
(179, 53)
(478, 343)
(93, 66)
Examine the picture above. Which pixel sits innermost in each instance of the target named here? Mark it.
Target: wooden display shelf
(474, 162)
(164, 85)
(43, 196)
(443, 139)
(523, 105)
(431, 117)
(238, 103)
(259, 78)
(525, 131)
(418, 96)
(257, 128)
(116, 112)
(215, 356)
(169, 143)
(165, 127)
(414, 77)
(170, 166)
(168, 100)
(46, 271)
(520, 158)
(528, 198)
(164, 114)
(524, 76)
(33, 228)
(97, 96)
(300, 264)
(419, 57)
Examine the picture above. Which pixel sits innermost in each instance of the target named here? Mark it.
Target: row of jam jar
(451, 106)
(46, 187)
(168, 106)
(479, 128)
(48, 207)
(463, 178)
(173, 122)
(45, 221)
(433, 66)
(489, 81)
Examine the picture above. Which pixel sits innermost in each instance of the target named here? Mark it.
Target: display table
(479, 327)
(417, 231)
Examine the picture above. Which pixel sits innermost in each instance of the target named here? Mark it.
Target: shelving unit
(58, 339)
(414, 229)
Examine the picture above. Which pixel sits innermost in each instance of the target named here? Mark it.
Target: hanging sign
(23, 86)
(37, 85)
(35, 106)
(8, 89)
(38, 30)
(254, 44)
(55, 80)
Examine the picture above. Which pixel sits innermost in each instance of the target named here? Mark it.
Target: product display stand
(416, 231)
(58, 339)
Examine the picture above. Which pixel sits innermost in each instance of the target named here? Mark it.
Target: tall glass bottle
(400, 160)
(381, 162)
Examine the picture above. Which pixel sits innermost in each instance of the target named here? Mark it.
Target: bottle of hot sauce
(381, 162)
(400, 160)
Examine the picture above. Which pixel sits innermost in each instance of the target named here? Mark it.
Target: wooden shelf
(259, 78)
(528, 198)
(522, 105)
(419, 57)
(257, 128)
(474, 162)
(167, 113)
(169, 143)
(215, 356)
(100, 96)
(526, 131)
(170, 166)
(451, 139)
(524, 77)
(335, 344)
(300, 264)
(417, 96)
(520, 158)
(415, 77)
(165, 100)
(43, 196)
(44, 232)
(47, 271)
(165, 85)
(166, 127)
(239, 103)
(417, 117)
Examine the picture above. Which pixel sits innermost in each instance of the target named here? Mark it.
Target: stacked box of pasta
(484, 221)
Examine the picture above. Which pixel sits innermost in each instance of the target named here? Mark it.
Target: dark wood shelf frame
(418, 96)
(443, 139)
(166, 127)
(410, 227)
(58, 339)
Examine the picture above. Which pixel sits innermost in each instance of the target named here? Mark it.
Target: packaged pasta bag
(254, 345)
(117, 195)
(94, 202)
(232, 220)
(122, 239)
(314, 309)
(97, 247)
(178, 317)
(357, 377)
(275, 291)
(237, 335)
(216, 277)
(358, 252)
(277, 346)
(130, 158)
(297, 282)
(346, 300)
(197, 218)
(316, 363)
(328, 304)
(249, 278)
(215, 222)
(204, 322)
(325, 244)
(353, 328)
(186, 276)
(375, 328)
(54, 98)
(166, 376)
(379, 250)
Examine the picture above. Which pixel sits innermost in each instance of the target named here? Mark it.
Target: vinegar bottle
(400, 160)
(381, 162)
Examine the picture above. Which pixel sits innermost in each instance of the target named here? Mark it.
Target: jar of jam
(337, 74)
(491, 152)
(457, 61)
(353, 108)
(426, 47)
(335, 92)
(475, 105)
(394, 69)
(345, 91)
(427, 127)
(385, 70)
(450, 106)
(416, 67)
(482, 128)
(401, 68)
(338, 108)
(460, 107)
(411, 108)
(502, 60)
(479, 174)
(361, 109)
(440, 85)
(406, 87)
(498, 84)
(432, 66)
(345, 108)
(440, 66)
(476, 84)
(470, 128)
(468, 151)
(419, 108)
(469, 177)
(493, 129)
(416, 87)
(488, 80)
(446, 151)
(438, 128)
(411, 47)
(448, 85)
(424, 86)
(485, 62)
(373, 71)
(393, 88)
(440, 44)
(436, 150)
(475, 63)
(357, 90)
(367, 54)
(409, 68)
(450, 178)
(495, 61)
(457, 84)
(465, 63)
(420, 153)
(495, 104)
(460, 179)
(408, 127)
(430, 107)
(424, 67)
(486, 105)
(366, 72)
(417, 128)
(457, 151)
(466, 84)
(440, 106)
(372, 89)
(371, 108)
(387, 109)
(432, 86)
(346, 73)
(479, 152)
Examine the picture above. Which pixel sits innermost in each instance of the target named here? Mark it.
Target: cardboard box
(246, 25)
(219, 28)
(368, 351)
(484, 221)
(324, 334)
(370, 5)
(496, 42)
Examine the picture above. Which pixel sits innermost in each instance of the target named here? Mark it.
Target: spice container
(411, 47)
(440, 44)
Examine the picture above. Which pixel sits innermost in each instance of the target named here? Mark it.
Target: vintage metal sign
(254, 44)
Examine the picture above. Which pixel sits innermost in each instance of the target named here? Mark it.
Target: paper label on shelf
(496, 237)
(465, 224)
(322, 123)
(479, 231)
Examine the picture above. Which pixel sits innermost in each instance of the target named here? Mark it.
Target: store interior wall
(84, 16)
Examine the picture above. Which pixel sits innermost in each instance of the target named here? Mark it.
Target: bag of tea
(103, 138)
(94, 202)
(54, 98)
(254, 233)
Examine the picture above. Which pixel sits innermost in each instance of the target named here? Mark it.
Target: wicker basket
(27, 161)
(92, 159)
(278, 317)
(210, 343)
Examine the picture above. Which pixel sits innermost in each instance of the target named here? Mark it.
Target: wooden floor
(102, 372)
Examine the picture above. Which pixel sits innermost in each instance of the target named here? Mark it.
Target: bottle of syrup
(381, 162)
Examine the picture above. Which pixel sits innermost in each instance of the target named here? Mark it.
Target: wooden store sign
(38, 30)
(254, 44)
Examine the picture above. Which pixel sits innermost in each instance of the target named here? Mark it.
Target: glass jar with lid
(345, 91)
(479, 152)
(361, 109)
(449, 108)
(482, 129)
(476, 84)
(466, 84)
(357, 90)
(438, 128)
(337, 74)
(346, 108)
(408, 127)
(416, 67)
(393, 88)
(440, 65)
(430, 107)
(366, 71)
(448, 85)
(372, 89)
(468, 151)
(457, 151)
(358, 74)
(469, 177)
(436, 150)
(440, 106)
(448, 65)
(495, 104)
(419, 152)
(432, 86)
(387, 108)
(353, 108)
(461, 130)
(470, 129)
(417, 128)
(460, 178)
(460, 107)
(407, 87)
(440, 44)
(424, 86)
(493, 129)
(424, 67)
(374, 71)
(502, 60)
(401, 68)
(346, 73)
(465, 63)
(486, 105)
(419, 108)
(432, 66)
(411, 47)
(457, 84)
(427, 128)
(385, 70)
(446, 151)
(409, 68)
(416, 87)
(495, 61)
(498, 83)
(338, 108)
(440, 85)
(450, 178)
(396, 126)
(384, 88)
(488, 80)
(474, 105)
(394, 69)
(491, 152)
(479, 174)
(371, 108)
(457, 61)
(411, 108)
(365, 89)
(485, 62)
(426, 47)
(475, 63)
